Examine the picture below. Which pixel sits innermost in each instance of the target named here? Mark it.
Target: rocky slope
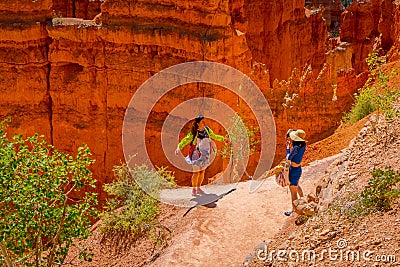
(375, 146)
(224, 235)
(72, 79)
(219, 236)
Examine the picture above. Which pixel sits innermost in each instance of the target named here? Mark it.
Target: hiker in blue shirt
(295, 156)
(200, 150)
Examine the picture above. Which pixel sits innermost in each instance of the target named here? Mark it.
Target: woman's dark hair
(299, 143)
(195, 127)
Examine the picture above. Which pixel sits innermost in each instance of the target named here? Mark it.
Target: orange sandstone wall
(96, 70)
(24, 66)
(394, 53)
(84, 9)
(362, 25)
(280, 35)
(72, 80)
(25, 10)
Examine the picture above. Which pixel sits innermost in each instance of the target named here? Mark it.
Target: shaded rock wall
(84, 9)
(394, 53)
(362, 26)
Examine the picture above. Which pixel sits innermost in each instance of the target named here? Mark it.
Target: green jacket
(188, 138)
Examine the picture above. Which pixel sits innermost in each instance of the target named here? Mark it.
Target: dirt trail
(223, 236)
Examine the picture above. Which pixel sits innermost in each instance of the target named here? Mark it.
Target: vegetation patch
(382, 191)
(377, 94)
(40, 212)
(132, 211)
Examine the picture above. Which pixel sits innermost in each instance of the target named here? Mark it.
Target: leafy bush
(132, 210)
(241, 136)
(364, 105)
(243, 143)
(377, 94)
(382, 191)
(39, 218)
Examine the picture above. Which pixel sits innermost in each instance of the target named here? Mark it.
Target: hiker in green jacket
(200, 149)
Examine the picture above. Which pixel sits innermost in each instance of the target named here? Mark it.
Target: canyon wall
(365, 26)
(24, 66)
(72, 79)
(280, 35)
(96, 70)
(394, 53)
(84, 9)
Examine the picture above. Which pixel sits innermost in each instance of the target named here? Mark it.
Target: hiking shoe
(200, 192)
(194, 192)
(288, 213)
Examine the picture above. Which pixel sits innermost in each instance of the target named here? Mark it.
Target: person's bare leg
(195, 176)
(201, 177)
(200, 181)
(300, 191)
(293, 193)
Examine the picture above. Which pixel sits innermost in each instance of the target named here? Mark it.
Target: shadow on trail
(207, 200)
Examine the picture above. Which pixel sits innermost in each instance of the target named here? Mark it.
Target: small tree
(243, 143)
(39, 218)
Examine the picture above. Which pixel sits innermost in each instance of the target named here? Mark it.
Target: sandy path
(224, 236)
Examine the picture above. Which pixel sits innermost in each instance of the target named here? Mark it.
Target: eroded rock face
(73, 80)
(394, 53)
(280, 35)
(24, 66)
(331, 9)
(362, 25)
(92, 83)
(25, 10)
(84, 9)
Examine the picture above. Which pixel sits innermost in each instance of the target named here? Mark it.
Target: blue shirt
(296, 155)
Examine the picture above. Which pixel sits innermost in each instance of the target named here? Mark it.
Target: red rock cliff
(394, 53)
(362, 25)
(84, 9)
(24, 66)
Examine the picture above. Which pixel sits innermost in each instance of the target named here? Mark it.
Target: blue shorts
(294, 175)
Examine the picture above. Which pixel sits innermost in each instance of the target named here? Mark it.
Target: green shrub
(383, 189)
(347, 205)
(243, 143)
(40, 215)
(242, 137)
(376, 94)
(364, 105)
(132, 210)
